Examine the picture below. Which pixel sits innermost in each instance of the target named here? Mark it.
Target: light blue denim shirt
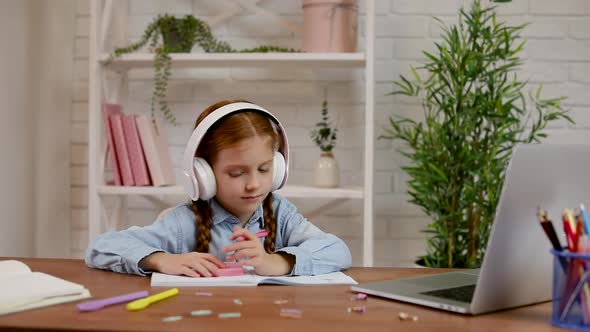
(315, 252)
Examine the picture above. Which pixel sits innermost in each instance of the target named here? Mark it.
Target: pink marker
(238, 269)
(259, 234)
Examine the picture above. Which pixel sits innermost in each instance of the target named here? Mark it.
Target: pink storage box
(329, 25)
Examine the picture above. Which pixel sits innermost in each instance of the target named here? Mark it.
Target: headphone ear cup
(205, 178)
(278, 170)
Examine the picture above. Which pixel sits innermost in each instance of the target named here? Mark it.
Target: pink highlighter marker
(234, 268)
(259, 234)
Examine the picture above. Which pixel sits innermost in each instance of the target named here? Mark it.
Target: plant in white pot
(327, 173)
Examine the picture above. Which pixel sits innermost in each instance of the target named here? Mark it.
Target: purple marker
(99, 304)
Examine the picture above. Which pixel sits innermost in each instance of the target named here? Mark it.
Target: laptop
(517, 267)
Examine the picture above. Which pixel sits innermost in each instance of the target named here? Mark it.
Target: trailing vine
(167, 34)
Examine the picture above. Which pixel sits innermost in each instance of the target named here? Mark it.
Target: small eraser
(230, 272)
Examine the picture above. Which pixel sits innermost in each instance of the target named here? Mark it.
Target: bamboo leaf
(474, 113)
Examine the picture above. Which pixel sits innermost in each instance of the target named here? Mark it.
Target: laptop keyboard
(461, 294)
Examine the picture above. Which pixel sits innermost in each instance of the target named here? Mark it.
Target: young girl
(241, 157)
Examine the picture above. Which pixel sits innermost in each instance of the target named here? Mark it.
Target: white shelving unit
(101, 13)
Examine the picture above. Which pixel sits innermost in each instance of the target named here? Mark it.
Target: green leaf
(474, 112)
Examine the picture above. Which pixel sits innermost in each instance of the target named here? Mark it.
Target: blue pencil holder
(571, 290)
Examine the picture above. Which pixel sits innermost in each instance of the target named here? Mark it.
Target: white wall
(35, 90)
(53, 75)
(558, 55)
(16, 129)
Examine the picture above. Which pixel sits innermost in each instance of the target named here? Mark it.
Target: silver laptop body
(517, 267)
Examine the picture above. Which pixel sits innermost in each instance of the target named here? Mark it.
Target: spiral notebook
(334, 278)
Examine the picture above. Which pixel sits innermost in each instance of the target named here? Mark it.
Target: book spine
(156, 151)
(139, 167)
(121, 149)
(107, 110)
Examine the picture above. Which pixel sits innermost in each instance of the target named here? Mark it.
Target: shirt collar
(219, 214)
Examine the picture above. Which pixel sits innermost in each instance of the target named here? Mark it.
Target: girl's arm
(315, 252)
(121, 251)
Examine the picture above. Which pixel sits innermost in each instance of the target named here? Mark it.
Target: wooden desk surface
(324, 307)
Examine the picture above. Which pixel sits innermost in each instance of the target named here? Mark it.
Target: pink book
(107, 110)
(141, 175)
(156, 151)
(115, 120)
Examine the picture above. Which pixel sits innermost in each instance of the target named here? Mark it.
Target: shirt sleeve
(121, 251)
(315, 251)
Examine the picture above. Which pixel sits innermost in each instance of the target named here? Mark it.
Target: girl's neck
(244, 222)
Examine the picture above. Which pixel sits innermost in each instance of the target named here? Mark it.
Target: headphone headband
(190, 181)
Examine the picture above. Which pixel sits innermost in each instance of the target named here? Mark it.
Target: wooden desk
(324, 307)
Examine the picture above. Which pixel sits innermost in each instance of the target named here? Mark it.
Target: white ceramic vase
(327, 173)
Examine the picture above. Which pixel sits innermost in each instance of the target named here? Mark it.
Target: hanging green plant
(168, 34)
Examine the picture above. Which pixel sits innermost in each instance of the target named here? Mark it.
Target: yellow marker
(146, 301)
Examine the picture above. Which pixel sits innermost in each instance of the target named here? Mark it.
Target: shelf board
(208, 60)
(314, 192)
(147, 191)
(289, 191)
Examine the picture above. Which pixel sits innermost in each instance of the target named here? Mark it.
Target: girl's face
(243, 174)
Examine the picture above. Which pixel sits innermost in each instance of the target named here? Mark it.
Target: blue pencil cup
(571, 290)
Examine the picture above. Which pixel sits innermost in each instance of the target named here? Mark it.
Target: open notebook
(334, 278)
(21, 289)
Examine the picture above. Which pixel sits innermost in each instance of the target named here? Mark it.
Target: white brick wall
(557, 54)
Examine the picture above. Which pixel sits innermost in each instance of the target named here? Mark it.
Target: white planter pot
(327, 173)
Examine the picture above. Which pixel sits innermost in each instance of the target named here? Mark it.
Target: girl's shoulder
(180, 212)
(281, 204)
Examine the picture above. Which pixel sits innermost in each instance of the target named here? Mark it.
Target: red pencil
(568, 229)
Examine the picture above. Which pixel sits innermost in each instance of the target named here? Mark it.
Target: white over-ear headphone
(199, 180)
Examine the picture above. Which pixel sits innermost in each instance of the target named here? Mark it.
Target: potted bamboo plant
(475, 111)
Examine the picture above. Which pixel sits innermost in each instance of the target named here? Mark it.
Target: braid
(202, 212)
(270, 224)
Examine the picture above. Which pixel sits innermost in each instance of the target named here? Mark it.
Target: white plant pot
(327, 173)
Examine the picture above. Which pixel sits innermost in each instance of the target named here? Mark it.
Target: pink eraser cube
(230, 272)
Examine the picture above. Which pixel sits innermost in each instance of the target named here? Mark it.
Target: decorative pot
(329, 25)
(327, 174)
(172, 39)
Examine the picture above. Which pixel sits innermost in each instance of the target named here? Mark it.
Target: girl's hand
(250, 251)
(192, 264)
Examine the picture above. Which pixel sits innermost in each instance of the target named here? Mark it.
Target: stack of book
(137, 149)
